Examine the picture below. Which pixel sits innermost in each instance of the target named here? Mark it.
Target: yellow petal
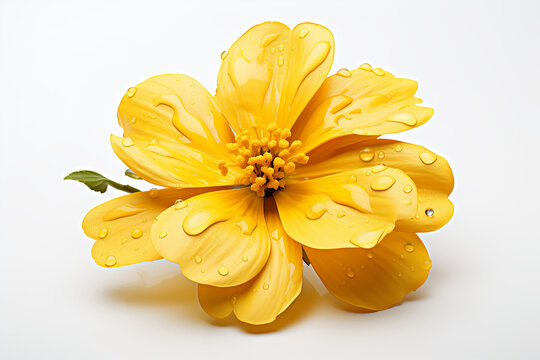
(374, 279)
(263, 298)
(209, 236)
(271, 72)
(348, 209)
(430, 172)
(365, 102)
(121, 226)
(174, 134)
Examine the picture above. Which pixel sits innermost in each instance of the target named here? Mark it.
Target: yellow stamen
(265, 157)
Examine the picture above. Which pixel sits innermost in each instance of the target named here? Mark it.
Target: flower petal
(271, 72)
(263, 298)
(363, 102)
(374, 279)
(210, 235)
(121, 226)
(348, 209)
(430, 172)
(174, 134)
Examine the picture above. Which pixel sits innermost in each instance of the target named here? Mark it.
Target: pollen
(265, 158)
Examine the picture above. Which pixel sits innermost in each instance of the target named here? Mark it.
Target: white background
(64, 67)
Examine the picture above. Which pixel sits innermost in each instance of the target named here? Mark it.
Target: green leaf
(98, 182)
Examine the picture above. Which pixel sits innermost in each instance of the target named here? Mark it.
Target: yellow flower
(281, 158)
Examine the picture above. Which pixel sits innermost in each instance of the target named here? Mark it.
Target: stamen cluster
(265, 159)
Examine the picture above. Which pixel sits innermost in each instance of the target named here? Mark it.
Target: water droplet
(153, 142)
(153, 193)
(246, 225)
(280, 47)
(121, 211)
(369, 239)
(223, 271)
(340, 213)
(127, 142)
(244, 258)
(202, 270)
(344, 72)
(124, 241)
(267, 39)
(198, 220)
(136, 233)
(366, 155)
(133, 120)
(378, 72)
(316, 211)
(303, 33)
(365, 66)
(380, 155)
(266, 286)
(383, 183)
(197, 259)
(428, 158)
(162, 234)
(102, 233)
(370, 255)
(398, 148)
(408, 247)
(359, 132)
(403, 118)
(224, 55)
(280, 60)
(110, 260)
(180, 204)
(430, 212)
(378, 168)
(407, 202)
(427, 264)
(352, 179)
(399, 274)
(131, 91)
(407, 188)
(350, 272)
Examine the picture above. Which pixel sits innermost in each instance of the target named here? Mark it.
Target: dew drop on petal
(409, 247)
(136, 233)
(131, 91)
(382, 183)
(197, 259)
(303, 33)
(110, 260)
(162, 234)
(127, 142)
(316, 211)
(365, 66)
(430, 212)
(179, 204)
(366, 155)
(103, 233)
(344, 72)
(428, 158)
(223, 271)
(350, 272)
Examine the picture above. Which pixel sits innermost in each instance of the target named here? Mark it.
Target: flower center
(265, 158)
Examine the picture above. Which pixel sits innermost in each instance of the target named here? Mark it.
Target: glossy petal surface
(355, 208)
(374, 279)
(263, 298)
(209, 236)
(271, 72)
(121, 226)
(362, 102)
(429, 171)
(174, 134)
